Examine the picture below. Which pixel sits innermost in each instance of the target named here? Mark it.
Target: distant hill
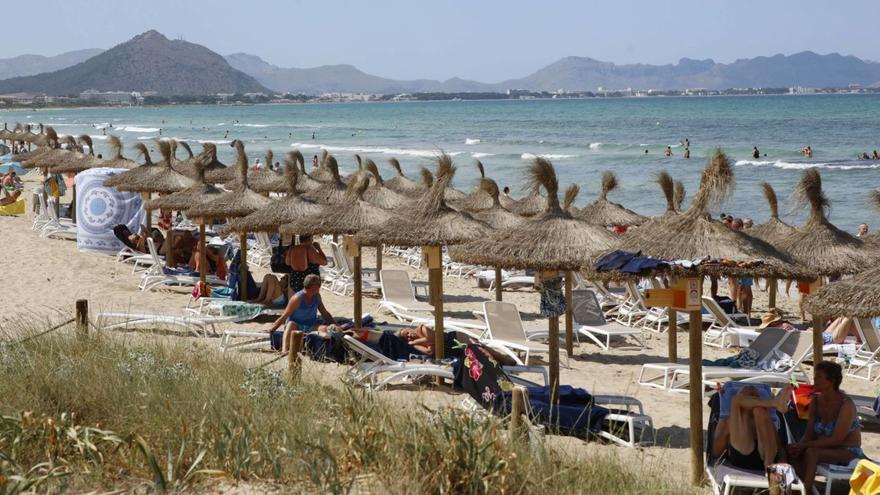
(28, 65)
(804, 69)
(339, 79)
(147, 62)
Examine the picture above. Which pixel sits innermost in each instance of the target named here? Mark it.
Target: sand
(44, 277)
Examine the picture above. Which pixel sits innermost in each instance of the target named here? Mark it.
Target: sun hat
(770, 317)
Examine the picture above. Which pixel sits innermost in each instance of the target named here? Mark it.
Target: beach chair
(197, 326)
(41, 216)
(370, 365)
(260, 254)
(399, 298)
(505, 333)
(633, 309)
(514, 282)
(590, 322)
(724, 330)
(609, 299)
(659, 375)
(862, 363)
(57, 228)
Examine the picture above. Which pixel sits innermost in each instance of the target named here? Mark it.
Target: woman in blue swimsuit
(302, 311)
(834, 433)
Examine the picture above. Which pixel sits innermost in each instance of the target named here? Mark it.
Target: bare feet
(781, 399)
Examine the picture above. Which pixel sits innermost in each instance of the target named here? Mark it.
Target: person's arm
(291, 307)
(841, 429)
(328, 318)
(317, 256)
(795, 449)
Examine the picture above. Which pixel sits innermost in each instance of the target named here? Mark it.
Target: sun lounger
(633, 309)
(724, 331)
(591, 323)
(725, 479)
(197, 326)
(863, 362)
(398, 296)
(57, 228)
(371, 365)
(505, 333)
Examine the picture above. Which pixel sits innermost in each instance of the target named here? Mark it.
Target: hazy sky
(483, 40)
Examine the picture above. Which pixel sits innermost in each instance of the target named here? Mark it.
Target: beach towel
(99, 208)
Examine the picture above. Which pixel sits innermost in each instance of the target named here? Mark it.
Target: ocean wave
(548, 156)
(595, 146)
(213, 141)
(371, 149)
(472, 141)
(805, 165)
(251, 125)
(98, 138)
(134, 128)
(481, 155)
(221, 123)
(102, 125)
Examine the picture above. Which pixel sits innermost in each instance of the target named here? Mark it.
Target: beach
(45, 277)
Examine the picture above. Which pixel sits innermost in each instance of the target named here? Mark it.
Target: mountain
(339, 79)
(147, 62)
(801, 69)
(28, 65)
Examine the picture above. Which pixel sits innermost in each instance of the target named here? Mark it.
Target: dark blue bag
(234, 279)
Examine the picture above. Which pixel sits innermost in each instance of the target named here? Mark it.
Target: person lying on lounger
(302, 311)
(9, 197)
(749, 434)
(273, 292)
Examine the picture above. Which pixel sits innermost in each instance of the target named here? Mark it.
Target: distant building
(111, 97)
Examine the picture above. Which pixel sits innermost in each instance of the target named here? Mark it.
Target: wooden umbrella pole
(772, 292)
(169, 252)
(358, 286)
(498, 290)
(243, 268)
(435, 281)
(73, 203)
(695, 345)
(569, 323)
(203, 260)
(673, 335)
(818, 326)
(554, 358)
(378, 262)
(146, 197)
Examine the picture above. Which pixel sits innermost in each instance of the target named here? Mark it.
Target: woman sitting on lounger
(834, 432)
(302, 311)
(273, 292)
(749, 435)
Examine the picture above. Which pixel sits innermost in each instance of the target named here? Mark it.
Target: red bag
(802, 397)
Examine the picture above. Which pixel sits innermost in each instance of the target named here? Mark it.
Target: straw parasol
(149, 177)
(217, 172)
(323, 173)
(261, 180)
(604, 212)
(530, 205)
(774, 230)
(332, 190)
(499, 218)
(820, 246)
(76, 162)
(305, 182)
(550, 242)
(357, 216)
(400, 182)
(873, 240)
(430, 223)
(237, 203)
(678, 195)
(290, 208)
(116, 160)
(378, 194)
(477, 200)
(856, 297)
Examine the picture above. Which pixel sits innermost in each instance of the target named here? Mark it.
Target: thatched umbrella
(323, 173)
(306, 182)
(478, 199)
(331, 191)
(690, 235)
(116, 160)
(357, 216)
(400, 182)
(774, 231)
(873, 240)
(5, 133)
(261, 180)
(217, 172)
(239, 202)
(378, 194)
(856, 297)
(604, 212)
(200, 192)
(499, 218)
(74, 163)
(49, 158)
(678, 195)
(432, 225)
(551, 242)
(532, 204)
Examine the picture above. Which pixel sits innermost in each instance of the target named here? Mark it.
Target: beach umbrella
(477, 200)
(530, 205)
(378, 194)
(330, 191)
(77, 161)
(305, 182)
(400, 182)
(551, 242)
(288, 209)
(357, 216)
(431, 224)
(323, 173)
(856, 297)
(217, 172)
(13, 167)
(774, 231)
(236, 203)
(360, 168)
(499, 218)
(5, 133)
(200, 192)
(263, 181)
(873, 240)
(115, 158)
(607, 213)
(678, 195)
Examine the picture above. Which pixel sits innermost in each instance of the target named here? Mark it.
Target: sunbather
(305, 258)
(834, 432)
(273, 292)
(749, 434)
(302, 311)
(9, 197)
(216, 257)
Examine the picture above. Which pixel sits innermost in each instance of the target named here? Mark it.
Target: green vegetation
(104, 413)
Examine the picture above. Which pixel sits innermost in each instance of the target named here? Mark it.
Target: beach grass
(113, 413)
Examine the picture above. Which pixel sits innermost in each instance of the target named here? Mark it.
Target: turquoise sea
(582, 138)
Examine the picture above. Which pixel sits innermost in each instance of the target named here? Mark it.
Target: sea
(582, 138)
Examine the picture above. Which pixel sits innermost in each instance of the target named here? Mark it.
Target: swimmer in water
(668, 151)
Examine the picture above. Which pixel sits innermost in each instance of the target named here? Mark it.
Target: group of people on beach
(11, 188)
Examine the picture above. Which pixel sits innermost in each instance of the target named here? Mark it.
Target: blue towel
(731, 388)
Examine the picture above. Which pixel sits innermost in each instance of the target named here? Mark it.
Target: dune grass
(104, 413)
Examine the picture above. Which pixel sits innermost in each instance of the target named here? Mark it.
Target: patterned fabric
(244, 311)
(99, 208)
(552, 298)
(747, 358)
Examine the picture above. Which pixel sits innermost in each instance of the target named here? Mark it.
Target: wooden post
(358, 287)
(569, 323)
(378, 262)
(695, 345)
(498, 290)
(818, 326)
(243, 268)
(294, 364)
(203, 260)
(73, 203)
(673, 335)
(170, 262)
(554, 358)
(435, 281)
(518, 399)
(82, 318)
(149, 220)
(772, 292)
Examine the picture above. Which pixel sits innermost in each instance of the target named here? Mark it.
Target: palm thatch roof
(261, 180)
(323, 173)
(357, 216)
(678, 195)
(774, 230)
(356, 173)
(237, 203)
(530, 205)
(217, 172)
(400, 182)
(667, 186)
(692, 234)
(200, 192)
(291, 208)
(305, 182)
(430, 222)
(149, 177)
(377, 194)
(49, 158)
(856, 297)
(76, 162)
(477, 200)
(331, 191)
(818, 244)
(497, 217)
(604, 212)
(116, 160)
(552, 240)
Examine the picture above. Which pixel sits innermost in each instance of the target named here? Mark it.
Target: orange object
(802, 396)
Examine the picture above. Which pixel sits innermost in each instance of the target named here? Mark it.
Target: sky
(486, 40)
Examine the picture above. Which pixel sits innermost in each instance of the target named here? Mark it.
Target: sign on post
(433, 256)
(349, 247)
(685, 295)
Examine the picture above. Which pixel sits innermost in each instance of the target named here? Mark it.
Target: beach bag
(234, 279)
(802, 397)
(277, 263)
(297, 258)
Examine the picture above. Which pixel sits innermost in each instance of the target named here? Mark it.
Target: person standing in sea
(755, 153)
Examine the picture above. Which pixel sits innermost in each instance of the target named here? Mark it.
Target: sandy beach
(44, 277)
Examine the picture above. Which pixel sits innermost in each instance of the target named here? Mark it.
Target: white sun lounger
(197, 326)
(724, 331)
(591, 323)
(399, 298)
(505, 333)
(726, 479)
(867, 356)
(371, 365)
